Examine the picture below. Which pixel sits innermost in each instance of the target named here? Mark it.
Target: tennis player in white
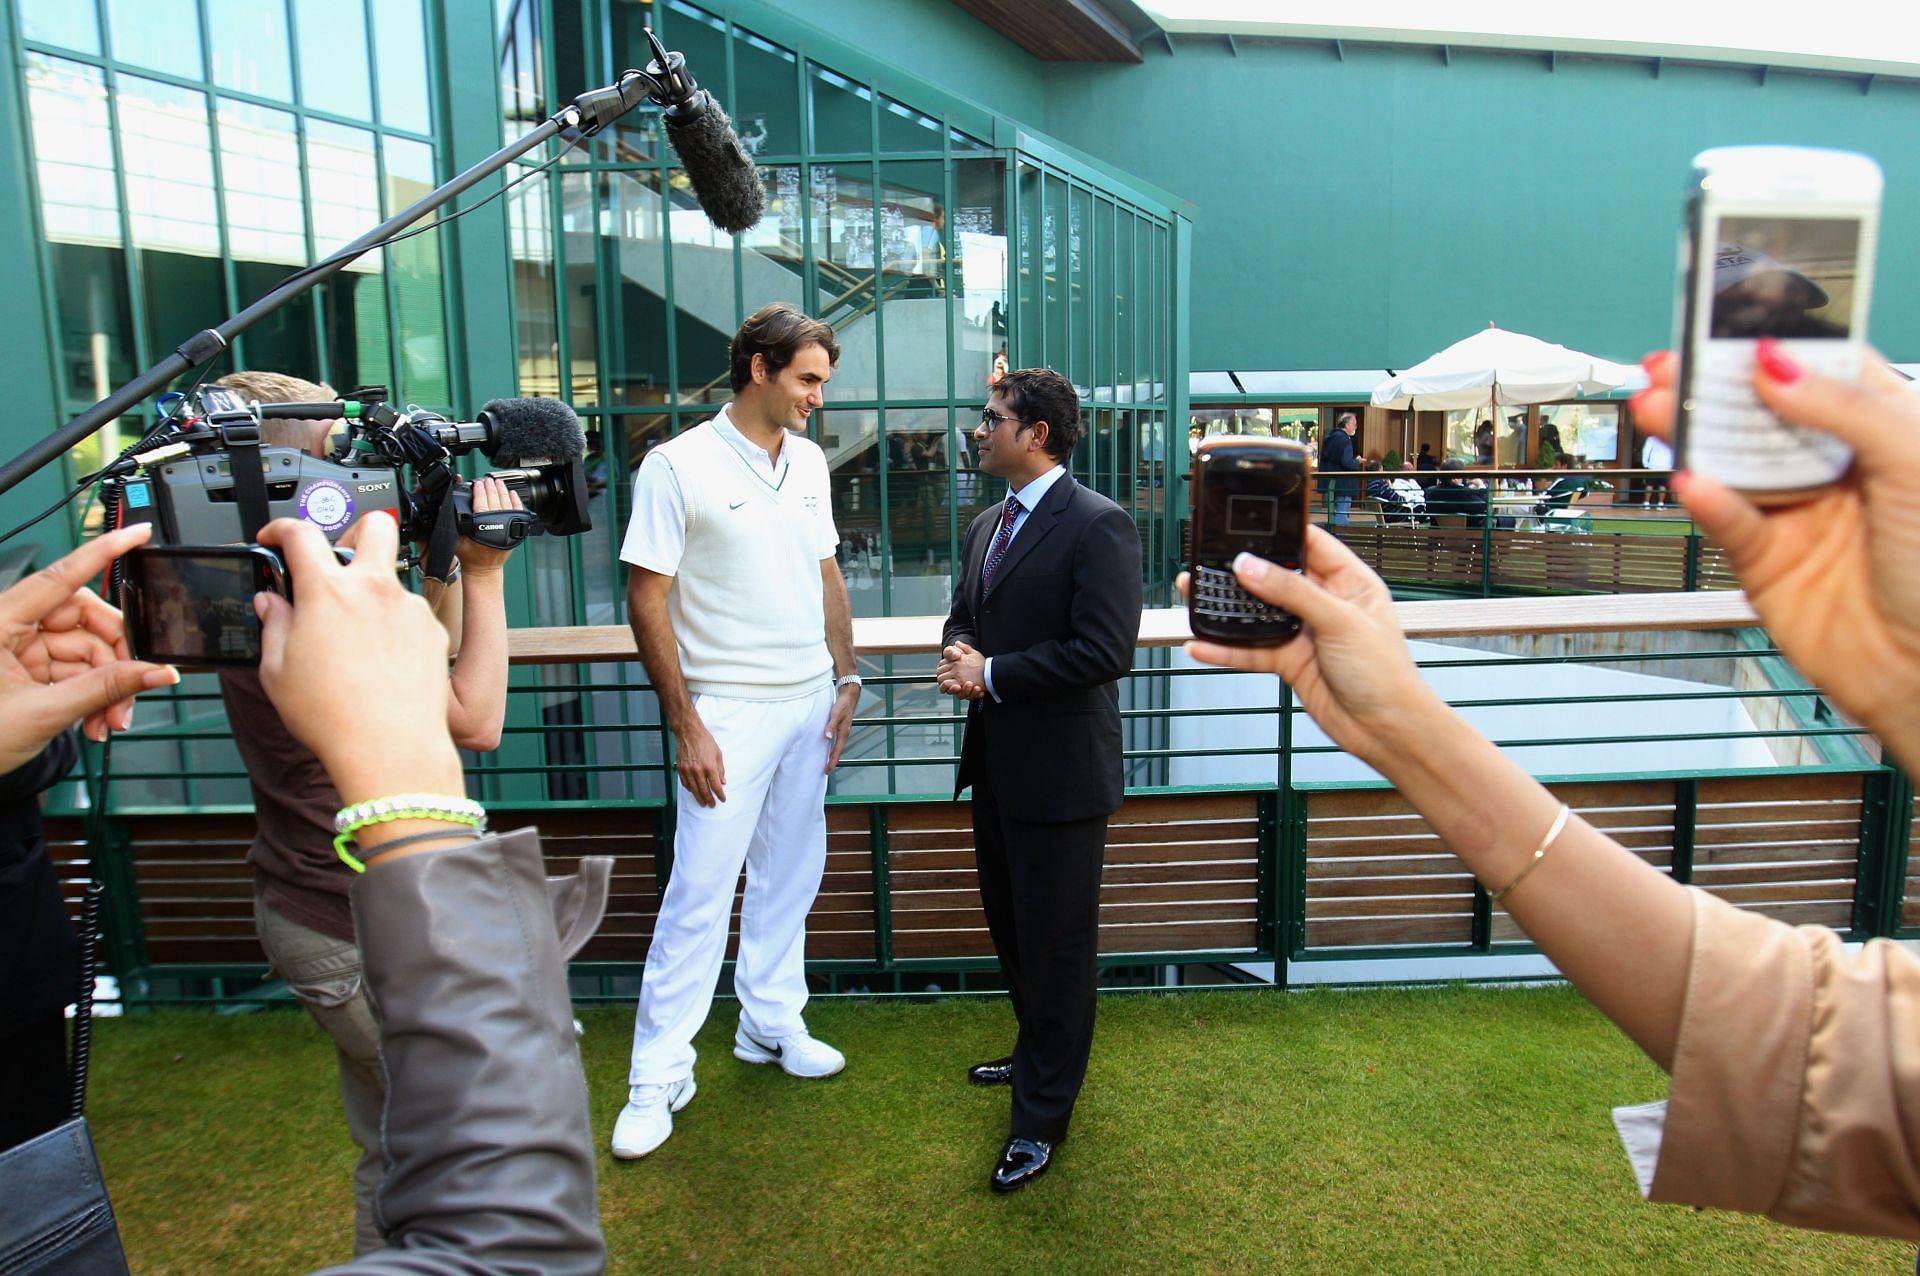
(743, 623)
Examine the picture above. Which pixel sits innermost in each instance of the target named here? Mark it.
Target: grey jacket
(489, 1148)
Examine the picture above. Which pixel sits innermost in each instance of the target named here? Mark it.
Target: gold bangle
(1540, 853)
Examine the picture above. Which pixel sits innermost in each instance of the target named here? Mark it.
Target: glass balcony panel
(167, 149)
(706, 312)
(530, 248)
(851, 440)
(580, 220)
(904, 129)
(919, 502)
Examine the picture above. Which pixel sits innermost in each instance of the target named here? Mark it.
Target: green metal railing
(1197, 761)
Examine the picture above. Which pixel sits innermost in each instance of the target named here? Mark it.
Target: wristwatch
(846, 680)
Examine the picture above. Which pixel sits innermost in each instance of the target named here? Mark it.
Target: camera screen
(199, 607)
(1252, 515)
(1785, 277)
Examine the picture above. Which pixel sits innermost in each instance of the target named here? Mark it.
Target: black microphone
(532, 430)
(722, 173)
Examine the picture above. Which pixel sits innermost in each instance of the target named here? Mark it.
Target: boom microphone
(721, 172)
(532, 430)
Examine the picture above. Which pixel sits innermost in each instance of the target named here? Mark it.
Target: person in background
(1394, 507)
(1795, 1065)
(1337, 458)
(1657, 454)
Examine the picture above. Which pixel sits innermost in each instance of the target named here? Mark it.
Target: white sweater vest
(746, 602)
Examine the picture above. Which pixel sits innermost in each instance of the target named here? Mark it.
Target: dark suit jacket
(1060, 622)
(1336, 456)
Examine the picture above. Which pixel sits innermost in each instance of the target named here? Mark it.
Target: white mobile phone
(1779, 243)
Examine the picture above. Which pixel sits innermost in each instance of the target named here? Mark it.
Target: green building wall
(1365, 210)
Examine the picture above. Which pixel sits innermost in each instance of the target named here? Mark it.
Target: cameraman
(63, 660)
(301, 907)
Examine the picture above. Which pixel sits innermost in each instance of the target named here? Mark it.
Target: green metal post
(882, 885)
(1686, 803)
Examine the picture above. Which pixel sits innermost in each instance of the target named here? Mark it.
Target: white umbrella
(1494, 367)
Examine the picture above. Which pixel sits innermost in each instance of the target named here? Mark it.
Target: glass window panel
(961, 142)
(530, 248)
(766, 107)
(977, 238)
(631, 223)
(845, 257)
(695, 34)
(333, 57)
(266, 231)
(774, 255)
(851, 440)
(1127, 273)
(904, 129)
(1587, 432)
(249, 47)
(913, 253)
(400, 47)
(343, 183)
(167, 148)
(1031, 278)
(419, 300)
(579, 228)
(919, 509)
(71, 24)
(1056, 262)
(1091, 288)
(520, 73)
(842, 113)
(640, 434)
(80, 216)
(1512, 445)
(162, 34)
(259, 150)
(704, 313)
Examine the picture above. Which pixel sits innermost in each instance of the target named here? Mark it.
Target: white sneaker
(647, 1119)
(798, 1054)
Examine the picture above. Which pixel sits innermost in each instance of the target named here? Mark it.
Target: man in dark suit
(1045, 617)
(1336, 458)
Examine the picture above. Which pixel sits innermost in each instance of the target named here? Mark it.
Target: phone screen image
(199, 608)
(1252, 515)
(1790, 278)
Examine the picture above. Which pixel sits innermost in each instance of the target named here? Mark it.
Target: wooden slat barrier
(1181, 876)
(1910, 906)
(1579, 562)
(1785, 846)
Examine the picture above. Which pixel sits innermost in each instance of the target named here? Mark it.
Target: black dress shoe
(992, 1072)
(1021, 1162)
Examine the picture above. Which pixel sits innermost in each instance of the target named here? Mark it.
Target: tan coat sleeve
(1796, 1082)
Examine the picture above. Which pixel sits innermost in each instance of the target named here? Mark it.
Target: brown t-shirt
(295, 869)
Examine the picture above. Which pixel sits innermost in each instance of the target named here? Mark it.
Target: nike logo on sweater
(736, 505)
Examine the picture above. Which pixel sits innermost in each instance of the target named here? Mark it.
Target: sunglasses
(991, 419)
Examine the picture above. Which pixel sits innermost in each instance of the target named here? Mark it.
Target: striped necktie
(1001, 540)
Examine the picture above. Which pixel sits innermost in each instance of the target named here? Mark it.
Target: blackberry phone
(1249, 496)
(1779, 243)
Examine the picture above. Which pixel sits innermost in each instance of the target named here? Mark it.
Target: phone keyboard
(1218, 596)
(1732, 435)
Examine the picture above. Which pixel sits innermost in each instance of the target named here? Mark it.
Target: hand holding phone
(1779, 245)
(1249, 496)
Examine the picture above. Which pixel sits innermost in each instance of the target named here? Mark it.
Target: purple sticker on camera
(327, 505)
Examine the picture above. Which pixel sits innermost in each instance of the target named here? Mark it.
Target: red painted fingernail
(1776, 363)
(1633, 404)
(1648, 360)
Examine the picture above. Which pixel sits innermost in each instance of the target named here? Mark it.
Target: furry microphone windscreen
(722, 173)
(533, 430)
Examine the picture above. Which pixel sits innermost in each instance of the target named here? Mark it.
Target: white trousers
(774, 821)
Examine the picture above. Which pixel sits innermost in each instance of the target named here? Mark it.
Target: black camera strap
(249, 477)
(443, 541)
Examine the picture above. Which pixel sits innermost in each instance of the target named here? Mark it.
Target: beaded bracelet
(402, 806)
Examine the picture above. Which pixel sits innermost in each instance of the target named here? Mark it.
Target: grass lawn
(1454, 1129)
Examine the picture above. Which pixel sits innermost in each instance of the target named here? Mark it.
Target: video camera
(209, 485)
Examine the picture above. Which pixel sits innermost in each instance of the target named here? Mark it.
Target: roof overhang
(1068, 30)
